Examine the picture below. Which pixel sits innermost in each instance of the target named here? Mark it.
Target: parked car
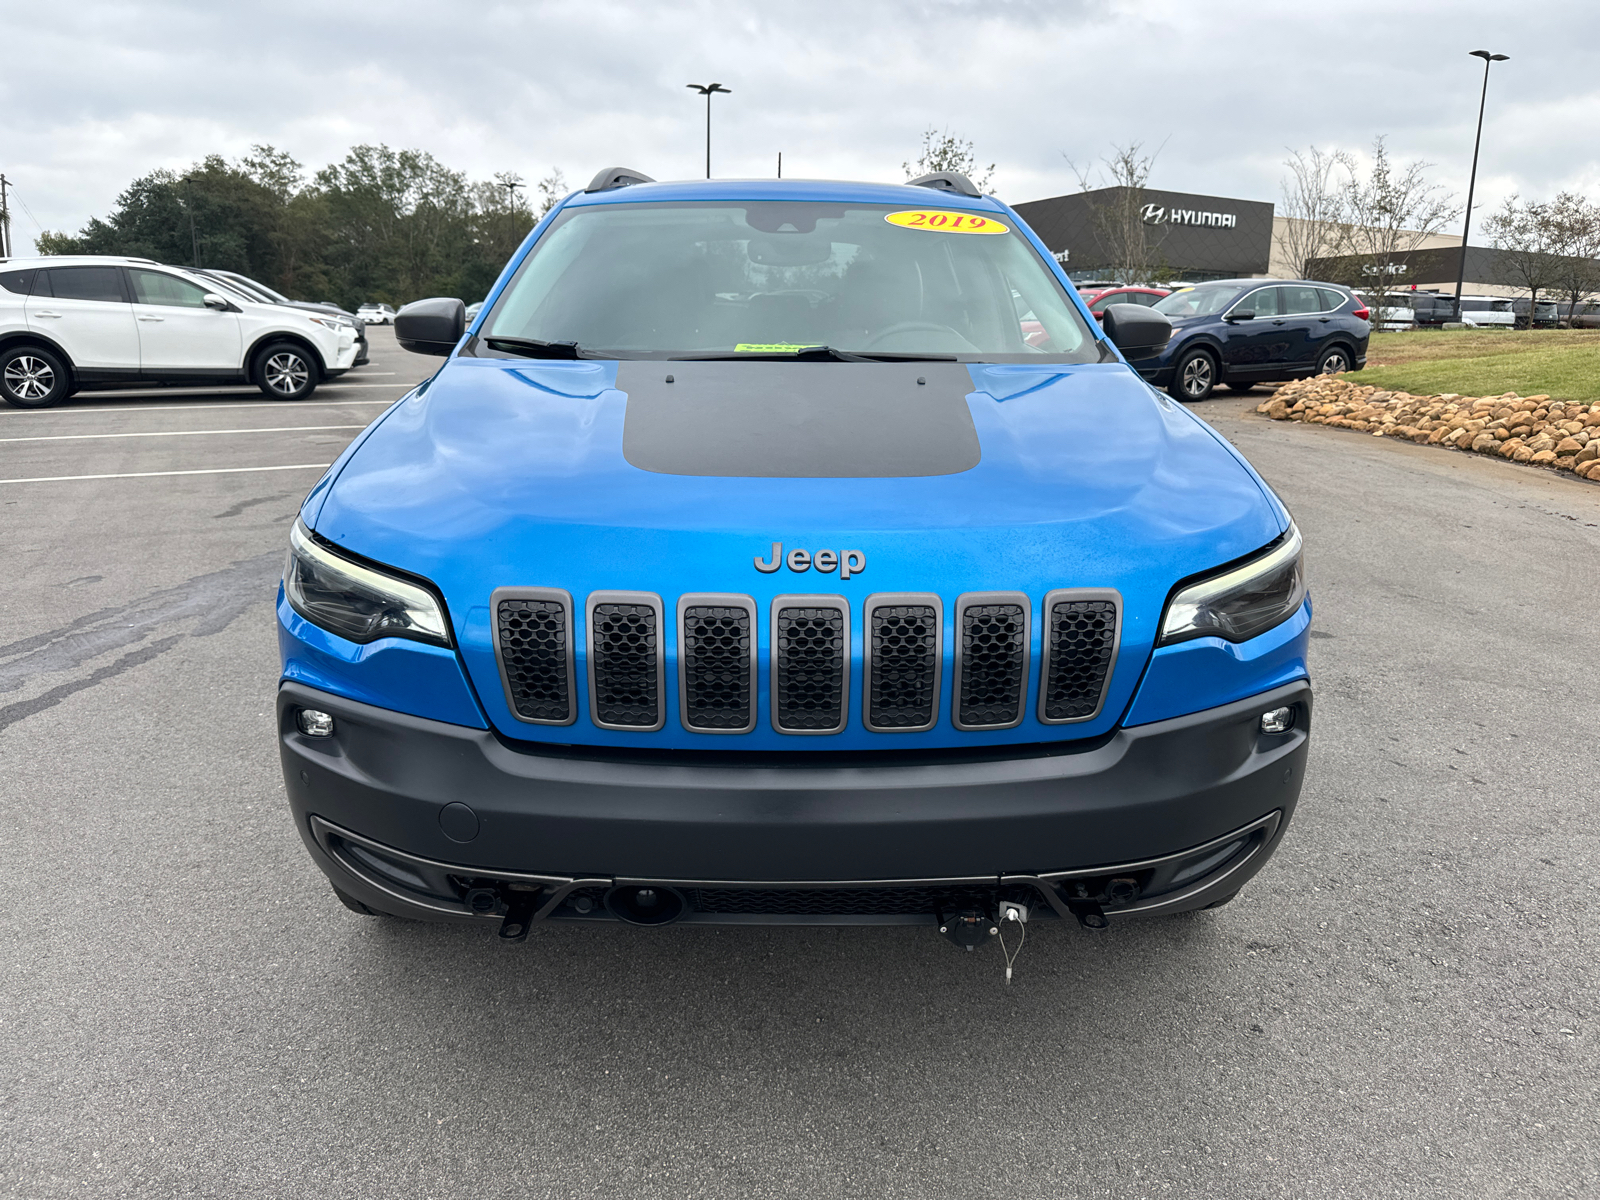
(1098, 300)
(67, 323)
(1389, 312)
(1243, 331)
(376, 314)
(1584, 315)
(1431, 310)
(1547, 315)
(1487, 312)
(744, 563)
(265, 295)
(473, 310)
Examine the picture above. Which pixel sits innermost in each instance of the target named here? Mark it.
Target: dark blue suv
(1243, 331)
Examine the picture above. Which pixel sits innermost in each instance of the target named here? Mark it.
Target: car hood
(596, 475)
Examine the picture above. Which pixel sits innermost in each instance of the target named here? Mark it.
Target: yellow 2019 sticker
(945, 222)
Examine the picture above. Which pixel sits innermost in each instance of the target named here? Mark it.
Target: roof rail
(946, 181)
(616, 177)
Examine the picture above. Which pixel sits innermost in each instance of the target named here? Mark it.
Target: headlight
(334, 323)
(1238, 604)
(357, 602)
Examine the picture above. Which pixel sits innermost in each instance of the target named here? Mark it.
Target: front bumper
(413, 816)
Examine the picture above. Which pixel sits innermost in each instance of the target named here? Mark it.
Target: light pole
(511, 186)
(1472, 180)
(708, 90)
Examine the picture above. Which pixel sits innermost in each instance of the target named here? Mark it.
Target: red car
(1100, 297)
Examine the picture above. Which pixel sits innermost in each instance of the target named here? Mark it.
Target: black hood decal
(799, 420)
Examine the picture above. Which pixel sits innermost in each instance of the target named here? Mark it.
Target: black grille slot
(904, 649)
(992, 663)
(625, 663)
(716, 650)
(1081, 640)
(810, 653)
(874, 901)
(536, 656)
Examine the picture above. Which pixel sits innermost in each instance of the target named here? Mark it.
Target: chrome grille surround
(546, 668)
(1054, 673)
(708, 665)
(808, 679)
(891, 667)
(993, 639)
(626, 662)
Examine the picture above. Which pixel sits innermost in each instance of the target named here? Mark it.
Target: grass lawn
(1562, 363)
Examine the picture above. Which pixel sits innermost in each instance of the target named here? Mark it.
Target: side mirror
(220, 303)
(1137, 331)
(1241, 315)
(431, 326)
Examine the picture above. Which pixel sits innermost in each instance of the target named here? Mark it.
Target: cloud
(97, 93)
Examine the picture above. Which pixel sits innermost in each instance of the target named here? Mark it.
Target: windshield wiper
(812, 354)
(534, 348)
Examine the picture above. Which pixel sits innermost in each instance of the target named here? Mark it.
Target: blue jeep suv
(1243, 331)
(752, 557)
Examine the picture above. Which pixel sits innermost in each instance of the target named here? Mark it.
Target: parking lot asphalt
(1402, 1004)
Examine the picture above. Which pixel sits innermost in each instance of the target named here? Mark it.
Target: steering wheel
(910, 327)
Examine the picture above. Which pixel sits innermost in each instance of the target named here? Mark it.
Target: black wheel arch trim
(272, 337)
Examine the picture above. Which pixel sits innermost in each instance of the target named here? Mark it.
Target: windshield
(772, 277)
(1197, 302)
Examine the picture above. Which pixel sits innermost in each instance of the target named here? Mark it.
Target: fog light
(1277, 720)
(319, 724)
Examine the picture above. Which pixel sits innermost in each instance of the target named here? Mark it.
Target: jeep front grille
(810, 664)
(534, 644)
(717, 663)
(625, 660)
(903, 655)
(991, 659)
(1080, 646)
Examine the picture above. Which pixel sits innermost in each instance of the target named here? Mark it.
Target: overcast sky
(94, 93)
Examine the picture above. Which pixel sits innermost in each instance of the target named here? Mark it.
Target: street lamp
(708, 90)
(511, 186)
(1472, 180)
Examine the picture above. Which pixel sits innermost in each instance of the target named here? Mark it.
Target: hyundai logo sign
(1157, 214)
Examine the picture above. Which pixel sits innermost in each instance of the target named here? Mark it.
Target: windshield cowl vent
(616, 177)
(946, 181)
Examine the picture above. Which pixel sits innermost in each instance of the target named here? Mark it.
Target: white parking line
(86, 437)
(158, 474)
(278, 404)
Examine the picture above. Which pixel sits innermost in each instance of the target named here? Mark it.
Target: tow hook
(1090, 915)
(520, 907)
(970, 927)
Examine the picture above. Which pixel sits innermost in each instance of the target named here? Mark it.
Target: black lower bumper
(426, 819)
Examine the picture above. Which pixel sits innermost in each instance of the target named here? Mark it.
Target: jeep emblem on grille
(849, 562)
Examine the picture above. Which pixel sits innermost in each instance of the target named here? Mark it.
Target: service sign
(945, 222)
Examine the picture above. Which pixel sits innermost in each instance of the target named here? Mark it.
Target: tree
(381, 224)
(1314, 208)
(1131, 249)
(1391, 212)
(1526, 237)
(946, 152)
(1575, 226)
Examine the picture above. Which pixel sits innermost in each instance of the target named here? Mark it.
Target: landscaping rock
(1523, 429)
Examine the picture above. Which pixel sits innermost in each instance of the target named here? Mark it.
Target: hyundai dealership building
(1186, 236)
(1194, 238)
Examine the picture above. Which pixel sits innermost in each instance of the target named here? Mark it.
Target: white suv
(73, 322)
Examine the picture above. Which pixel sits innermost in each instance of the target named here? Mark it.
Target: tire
(1194, 377)
(1333, 360)
(286, 371)
(32, 377)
